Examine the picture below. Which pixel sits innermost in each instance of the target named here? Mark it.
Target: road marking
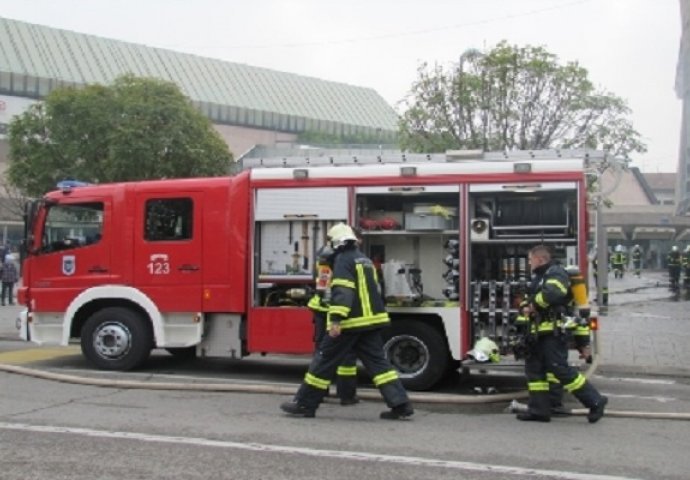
(646, 381)
(643, 397)
(338, 454)
(20, 357)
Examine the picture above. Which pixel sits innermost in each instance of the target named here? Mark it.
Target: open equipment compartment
(506, 221)
(405, 231)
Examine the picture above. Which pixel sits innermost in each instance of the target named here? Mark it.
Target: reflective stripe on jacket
(550, 293)
(356, 300)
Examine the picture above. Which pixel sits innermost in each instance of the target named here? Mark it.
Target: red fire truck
(223, 267)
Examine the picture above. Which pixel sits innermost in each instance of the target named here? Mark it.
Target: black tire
(419, 353)
(116, 338)
(183, 353)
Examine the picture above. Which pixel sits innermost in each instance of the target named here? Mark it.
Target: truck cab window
(72, 226)
(168, 219)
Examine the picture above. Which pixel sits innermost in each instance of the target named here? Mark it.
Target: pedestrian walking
(547, 345)
(356, 314)
(9, 277)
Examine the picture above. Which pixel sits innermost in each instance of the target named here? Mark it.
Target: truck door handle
(97, 269)
(188, 268)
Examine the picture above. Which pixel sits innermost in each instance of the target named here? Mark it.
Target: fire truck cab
(223, 267)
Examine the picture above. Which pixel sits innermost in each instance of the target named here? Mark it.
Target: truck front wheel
(116, 338)
(419, 353)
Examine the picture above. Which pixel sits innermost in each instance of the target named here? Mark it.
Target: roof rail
(350, 159)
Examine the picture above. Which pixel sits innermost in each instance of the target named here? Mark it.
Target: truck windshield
(72, 225)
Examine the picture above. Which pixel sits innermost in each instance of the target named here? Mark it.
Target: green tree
(513, 98)
(136, 129)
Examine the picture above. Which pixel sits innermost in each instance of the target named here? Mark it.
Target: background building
(248, 105)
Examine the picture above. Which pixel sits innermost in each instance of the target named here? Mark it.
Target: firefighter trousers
(549, 354)
(368, 347)
(346, 380)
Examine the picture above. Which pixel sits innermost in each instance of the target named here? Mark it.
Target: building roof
(661, 181)
(36, 59)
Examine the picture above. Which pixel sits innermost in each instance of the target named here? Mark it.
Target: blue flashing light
(69, 184)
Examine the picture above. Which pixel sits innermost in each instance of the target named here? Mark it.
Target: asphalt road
(51, 430)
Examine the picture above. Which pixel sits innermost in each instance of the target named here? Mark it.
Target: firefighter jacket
(686, 259)
(637, 256)
(356, 300)
(673, 259)
(550, 293)
(316, 304)
(618, 258)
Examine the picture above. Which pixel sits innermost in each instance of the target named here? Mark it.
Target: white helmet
(619, 248)
(485, 350)
(340, 234)
(674, 248)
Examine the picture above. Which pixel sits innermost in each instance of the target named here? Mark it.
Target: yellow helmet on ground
(485, 350)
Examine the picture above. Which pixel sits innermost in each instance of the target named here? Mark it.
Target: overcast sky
(630, 47)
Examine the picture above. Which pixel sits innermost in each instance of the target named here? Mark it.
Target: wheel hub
(408, 354)
(112, 340)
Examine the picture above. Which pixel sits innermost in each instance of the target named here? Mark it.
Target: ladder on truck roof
(332, 158)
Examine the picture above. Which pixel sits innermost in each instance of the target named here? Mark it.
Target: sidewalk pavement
(646, 329)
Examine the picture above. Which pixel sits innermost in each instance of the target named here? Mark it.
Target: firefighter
(637, 260)
(618, 261)
(356, 314)
(346, 383)
(673, 261)
(685, 262)
(578, 334)
(549, 297)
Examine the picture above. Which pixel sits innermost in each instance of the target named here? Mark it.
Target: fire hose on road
(366, 394)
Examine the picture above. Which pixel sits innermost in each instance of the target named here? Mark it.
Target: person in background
(637, 260)
(673, 261)
(618, 262)
(685, 262)
(9, 277)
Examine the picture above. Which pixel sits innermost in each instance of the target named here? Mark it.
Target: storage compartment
(435, 209)
(423, 221)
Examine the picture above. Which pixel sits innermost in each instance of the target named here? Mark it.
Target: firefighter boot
(532, 417)
(597, 411)
(398, 412)
(560, 411)
(349, 401)
(294, 408)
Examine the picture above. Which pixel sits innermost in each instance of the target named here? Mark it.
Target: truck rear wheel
(116, 338)
(418, 351)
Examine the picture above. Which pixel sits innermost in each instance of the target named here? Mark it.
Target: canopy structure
(616, 233)
(653, 233)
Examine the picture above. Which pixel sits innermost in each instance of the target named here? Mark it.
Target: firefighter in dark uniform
(356, 314)
(548, 346)
(618, 261)
(346, 383)
(673, 262)
(637, 260)
(685, 261)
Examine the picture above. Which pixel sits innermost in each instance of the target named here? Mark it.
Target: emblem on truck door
(158, 264)
(69, 265)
